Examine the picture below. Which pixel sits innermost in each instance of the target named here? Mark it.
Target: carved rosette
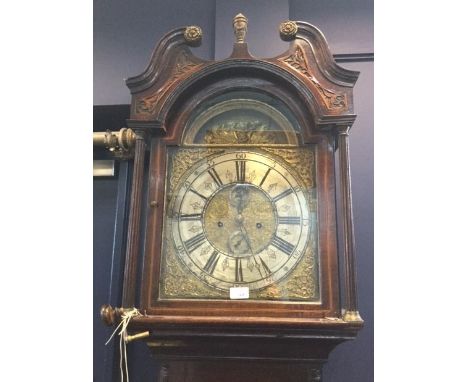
(288, 30)
(193, 35)
(332, 99)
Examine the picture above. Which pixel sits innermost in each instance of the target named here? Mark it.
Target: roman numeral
(200, 195)
(193, 243)
(283, 245)
(190, 217)
(264, 177)
(282, 195)
(265, 267)
(289, 220)
(239, 275)
(211, 263)
(240, 171)
(215, 177)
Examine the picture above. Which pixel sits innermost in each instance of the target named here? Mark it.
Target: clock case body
(320, 95)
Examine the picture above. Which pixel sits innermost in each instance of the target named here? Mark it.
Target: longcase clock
(232, 256)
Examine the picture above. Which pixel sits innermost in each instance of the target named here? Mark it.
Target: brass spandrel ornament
(299, 286)
(182, 160)
(303, 161)
(301, 158)
(191, 287)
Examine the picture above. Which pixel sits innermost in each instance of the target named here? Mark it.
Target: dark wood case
(255, 340)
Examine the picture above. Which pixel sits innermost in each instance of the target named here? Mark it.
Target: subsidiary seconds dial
(240, 219)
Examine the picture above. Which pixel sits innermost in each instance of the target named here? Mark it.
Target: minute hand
(246, 236)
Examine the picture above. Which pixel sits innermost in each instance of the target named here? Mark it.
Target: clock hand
(246, 236)
(257, 265)
(239, 197)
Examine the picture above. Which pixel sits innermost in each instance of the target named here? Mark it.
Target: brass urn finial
(239, 24)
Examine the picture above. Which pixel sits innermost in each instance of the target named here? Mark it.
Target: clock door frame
(316, 90)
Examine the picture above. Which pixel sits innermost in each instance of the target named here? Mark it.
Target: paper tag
(238, 293)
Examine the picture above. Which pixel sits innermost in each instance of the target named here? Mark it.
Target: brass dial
(240, 219)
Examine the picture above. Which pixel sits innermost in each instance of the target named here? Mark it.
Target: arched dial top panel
(242, 117)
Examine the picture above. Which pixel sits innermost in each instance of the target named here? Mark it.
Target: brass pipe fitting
(137, 336)
(122, 140)
(110, 315)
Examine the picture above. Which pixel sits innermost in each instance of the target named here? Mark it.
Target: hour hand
(239, 197)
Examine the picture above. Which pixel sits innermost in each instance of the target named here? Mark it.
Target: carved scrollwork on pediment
(147, 105)
(298, 61)
(183, 65)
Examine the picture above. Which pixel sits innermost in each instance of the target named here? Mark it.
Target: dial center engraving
(239, 208)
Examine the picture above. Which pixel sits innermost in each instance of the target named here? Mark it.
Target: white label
(239, 293)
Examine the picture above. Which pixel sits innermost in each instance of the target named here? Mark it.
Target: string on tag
(125, 320)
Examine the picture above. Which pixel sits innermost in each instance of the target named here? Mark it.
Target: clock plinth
(251, 353)
(250, 356)
(239, 371)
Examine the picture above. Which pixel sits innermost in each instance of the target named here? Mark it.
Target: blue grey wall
(348, 25)
(125, 33)
(105, 203)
